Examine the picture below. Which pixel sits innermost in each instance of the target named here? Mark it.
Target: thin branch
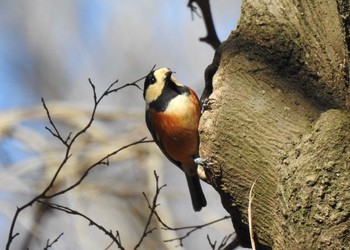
(192, 228)
(225, 240)
(223, 244)
(152, 207)
(196, 227)
(109, 246)
(193, 10)
(212, 245)
(211, 38)
(102, 161)
(250, 220)
(56, 133)
(97, 101)
(125, 85)
(68, 210)
(68, 142)
(48, 244)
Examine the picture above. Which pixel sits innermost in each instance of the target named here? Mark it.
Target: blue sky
(164, 27)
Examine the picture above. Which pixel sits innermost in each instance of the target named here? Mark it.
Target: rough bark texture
(280, 86)
(314, 192)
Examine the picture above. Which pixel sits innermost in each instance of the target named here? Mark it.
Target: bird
(172, 117)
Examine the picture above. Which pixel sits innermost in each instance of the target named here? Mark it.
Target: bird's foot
(206, 104)
(203, 162)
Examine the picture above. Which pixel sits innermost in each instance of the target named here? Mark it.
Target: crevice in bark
(344, 14)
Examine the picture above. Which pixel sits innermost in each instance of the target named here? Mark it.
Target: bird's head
(157, 81)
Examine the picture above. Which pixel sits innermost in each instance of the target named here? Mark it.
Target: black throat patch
(169, 92)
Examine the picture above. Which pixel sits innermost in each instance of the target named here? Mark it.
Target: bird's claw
(202, 162)
(206, 104)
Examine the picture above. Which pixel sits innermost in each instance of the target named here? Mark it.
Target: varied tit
(172, 116)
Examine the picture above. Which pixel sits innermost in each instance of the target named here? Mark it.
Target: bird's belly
(179, 136)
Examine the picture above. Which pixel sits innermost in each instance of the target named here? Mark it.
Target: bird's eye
(152, 79)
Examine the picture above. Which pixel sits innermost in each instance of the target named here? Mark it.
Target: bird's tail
(197, 195)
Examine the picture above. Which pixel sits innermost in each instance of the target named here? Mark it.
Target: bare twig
(193, 10)
(152, 206)
(103, 160)
(68, 210)
(109, 246)
(212, 245)
(56, 133)
(48, 244)
(68, 142)
(116, 238)
(250, 220)
(211, 38)
(223, 243)
(225, 240)
(191, 228)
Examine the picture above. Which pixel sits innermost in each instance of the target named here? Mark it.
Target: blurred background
(50, 49)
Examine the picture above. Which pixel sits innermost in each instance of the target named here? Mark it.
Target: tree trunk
(280, 114)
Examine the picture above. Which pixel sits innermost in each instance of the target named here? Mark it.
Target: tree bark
(280, 114)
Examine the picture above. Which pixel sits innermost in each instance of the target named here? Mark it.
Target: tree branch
(211, 38)
(68, 210)
(48, 244)
(103, 160)
(68, 142)
(192, 228)
(116, 238)
(223, 243)
(152, 207)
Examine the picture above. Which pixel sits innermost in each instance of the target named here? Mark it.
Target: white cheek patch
(154, 91)
(159, 74)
